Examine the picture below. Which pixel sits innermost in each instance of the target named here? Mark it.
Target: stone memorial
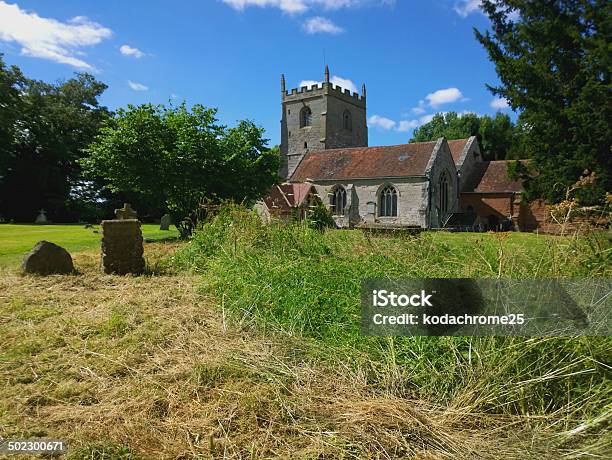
(41, 218)
(47, 259)
(122, 248)
(125, 213)
(165, 222)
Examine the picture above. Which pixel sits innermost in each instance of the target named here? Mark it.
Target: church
(325, 158)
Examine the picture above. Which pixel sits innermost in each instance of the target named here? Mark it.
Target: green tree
(496, 135)
(44, 128)
(11, 84)
(554, 63)
(177, 158)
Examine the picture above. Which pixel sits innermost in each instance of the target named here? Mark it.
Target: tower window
(388, 202)
(305, 145)
(347, 121)
(337, 200)
(305, 117)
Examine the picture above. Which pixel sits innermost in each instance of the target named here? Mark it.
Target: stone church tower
(318, 118)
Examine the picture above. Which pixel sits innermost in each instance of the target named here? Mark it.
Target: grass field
(17, 240)
(244, 343)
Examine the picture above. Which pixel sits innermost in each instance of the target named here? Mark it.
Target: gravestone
(41, 218)
(370, 216)
(122, 249)
(165, 222)
(47, 259)
(125, 213)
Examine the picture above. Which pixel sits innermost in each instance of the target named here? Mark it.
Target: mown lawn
(16, 240)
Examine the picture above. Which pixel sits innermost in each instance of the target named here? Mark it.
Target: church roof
(495, 178)
(456, 147)
(365, 162)
(281, 198)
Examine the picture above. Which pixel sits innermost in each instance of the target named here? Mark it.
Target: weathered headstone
(47, 259)
(122, 247)
(41, 218)
(165, 222)
(125, 213)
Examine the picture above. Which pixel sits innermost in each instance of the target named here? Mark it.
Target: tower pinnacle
(326, 74)
(283, 82)
(363, 90)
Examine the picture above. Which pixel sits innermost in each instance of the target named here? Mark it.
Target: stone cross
(125, 213)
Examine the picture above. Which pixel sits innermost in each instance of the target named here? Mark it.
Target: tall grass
(297, 281)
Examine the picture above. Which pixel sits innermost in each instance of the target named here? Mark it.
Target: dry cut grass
(146, 367)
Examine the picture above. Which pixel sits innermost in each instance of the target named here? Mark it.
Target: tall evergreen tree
(554, 62)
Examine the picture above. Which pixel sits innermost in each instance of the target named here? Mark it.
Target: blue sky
(416, 57)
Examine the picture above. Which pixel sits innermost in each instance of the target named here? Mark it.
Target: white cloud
(344, 83)
(297, 6)
(309, 83)
(466, 7)
(288, 6)
(407, 125)
(419, 109)
(48, 38)
(137, 86)
(127, 50)
(377, 121)
(386, 124)
(444, 96)
(338, 81)
(499, 103)
(320, 25)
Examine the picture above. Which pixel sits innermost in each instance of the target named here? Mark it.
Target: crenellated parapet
(324, 89)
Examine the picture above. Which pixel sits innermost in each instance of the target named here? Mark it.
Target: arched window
(347, 121)
(388, 202)
(305, 117)
(337, 200)
(444, 194)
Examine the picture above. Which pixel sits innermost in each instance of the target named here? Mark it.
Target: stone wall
(362, 201)
(470, 170)
(122, 247)
(296, 141)
(441, 162)
(336, 135)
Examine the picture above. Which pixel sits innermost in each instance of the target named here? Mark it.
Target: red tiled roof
(456, 147)
(495, 179)
(281, 198)
(365, 162)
